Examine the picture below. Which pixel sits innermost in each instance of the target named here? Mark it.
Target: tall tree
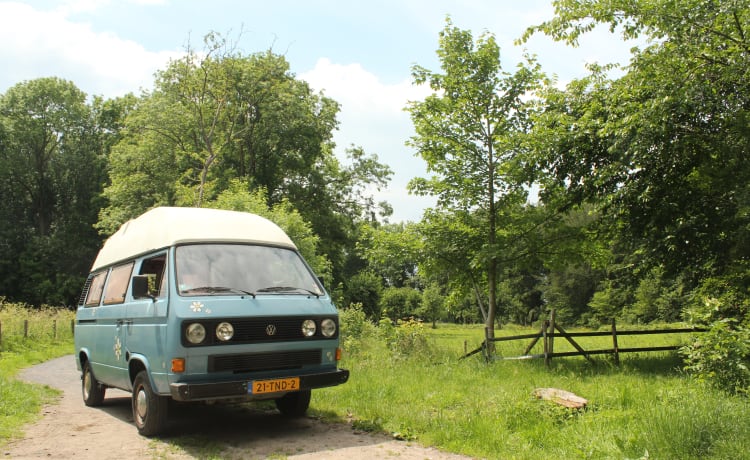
(663, 149)
(220, 116)
(53, 170)
(469, 134)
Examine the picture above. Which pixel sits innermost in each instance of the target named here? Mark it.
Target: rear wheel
(149, 409)
(294, 404)
(92, 391)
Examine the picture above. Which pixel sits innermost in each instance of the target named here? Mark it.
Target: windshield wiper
(288, 289)
(217, 289)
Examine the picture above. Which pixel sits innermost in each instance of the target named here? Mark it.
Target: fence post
(551, 336)
(614, 343)
(54, 329)
(72, 326)
(26, 329)
(545, 341)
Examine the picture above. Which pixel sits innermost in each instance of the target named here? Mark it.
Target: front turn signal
(338, 354)
(178, 365)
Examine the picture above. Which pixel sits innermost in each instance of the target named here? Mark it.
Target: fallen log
(561, 397)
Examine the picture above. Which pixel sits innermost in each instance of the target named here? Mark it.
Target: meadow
(407, 380)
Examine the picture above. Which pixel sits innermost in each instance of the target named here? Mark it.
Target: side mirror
(140, 287)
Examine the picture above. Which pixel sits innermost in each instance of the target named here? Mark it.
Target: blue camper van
(200, 305)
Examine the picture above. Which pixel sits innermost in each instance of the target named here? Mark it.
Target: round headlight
(195, 333)
(224, 331)
(308, 328)
(328, 327)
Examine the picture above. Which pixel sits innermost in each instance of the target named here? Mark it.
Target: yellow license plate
(275, 385)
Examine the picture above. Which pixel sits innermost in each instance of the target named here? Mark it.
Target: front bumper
(239, 388)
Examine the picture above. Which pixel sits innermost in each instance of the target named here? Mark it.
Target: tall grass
(645, 407)
(20, 402)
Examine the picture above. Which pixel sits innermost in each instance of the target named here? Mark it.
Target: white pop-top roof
(163, 227)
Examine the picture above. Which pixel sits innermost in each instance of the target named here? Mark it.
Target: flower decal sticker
(198, 307)
(118, 348)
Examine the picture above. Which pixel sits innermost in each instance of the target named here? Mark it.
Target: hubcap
(141, 404)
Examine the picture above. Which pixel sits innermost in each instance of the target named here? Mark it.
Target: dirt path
(69, 429)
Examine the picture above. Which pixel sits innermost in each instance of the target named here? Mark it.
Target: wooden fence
(550, 330)
(31, 329)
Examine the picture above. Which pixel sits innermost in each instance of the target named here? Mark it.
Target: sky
(357, 53)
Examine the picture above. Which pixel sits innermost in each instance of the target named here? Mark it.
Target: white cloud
(47, 43)
(360, 90)
(372, 116)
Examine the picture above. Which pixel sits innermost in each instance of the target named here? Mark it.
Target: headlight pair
(327, 328)
(196, 332)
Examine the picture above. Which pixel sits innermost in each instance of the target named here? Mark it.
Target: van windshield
(231, 269)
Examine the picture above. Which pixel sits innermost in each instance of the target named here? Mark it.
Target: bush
(399, 303)
(721, 357)
(405, 339)
(354, 326)
(364, 288)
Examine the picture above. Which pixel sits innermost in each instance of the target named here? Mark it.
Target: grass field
(644, 408)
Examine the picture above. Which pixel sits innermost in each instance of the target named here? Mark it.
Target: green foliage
(469, 132)
(365, 288)
(660, 150)
(53, 145)
(400, 303)
(721, 357)
(355, 328)
(405, 339)
(657, 298)
(219, 117)
(432, 305)
(392, 251)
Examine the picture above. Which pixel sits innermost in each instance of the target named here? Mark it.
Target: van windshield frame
(225, 269)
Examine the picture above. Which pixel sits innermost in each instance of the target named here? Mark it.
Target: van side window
(154, 269)
(117, 286)
(96, 286)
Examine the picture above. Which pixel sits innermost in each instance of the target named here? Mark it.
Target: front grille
(251, 362)
(258, 330)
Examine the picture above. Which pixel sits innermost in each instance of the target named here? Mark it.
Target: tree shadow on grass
(646, 364)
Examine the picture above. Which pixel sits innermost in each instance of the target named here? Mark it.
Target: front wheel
(294, 404)
(92, 391)
(149, 409)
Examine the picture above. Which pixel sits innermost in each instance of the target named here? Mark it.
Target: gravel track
(69, 429)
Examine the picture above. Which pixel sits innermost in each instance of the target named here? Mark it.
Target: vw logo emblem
(270, 329)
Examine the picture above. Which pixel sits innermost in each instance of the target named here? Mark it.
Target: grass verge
(21, 403)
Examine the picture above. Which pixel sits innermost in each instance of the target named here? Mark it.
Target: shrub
(354, 326)
(721, 357)
(399, 303)
(405, 339)
(364, 288)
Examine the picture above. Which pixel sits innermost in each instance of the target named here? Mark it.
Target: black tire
(91, 389)
(294, 404)
(149, 409)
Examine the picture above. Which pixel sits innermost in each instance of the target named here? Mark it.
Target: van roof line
(162, 227)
